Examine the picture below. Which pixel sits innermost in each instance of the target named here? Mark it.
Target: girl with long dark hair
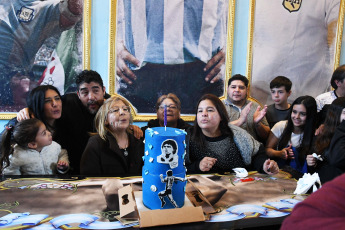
(291, 140)
(28, 149)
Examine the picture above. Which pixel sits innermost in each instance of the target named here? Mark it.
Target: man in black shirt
(78, 113)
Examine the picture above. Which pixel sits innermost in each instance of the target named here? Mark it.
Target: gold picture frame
(86, 30)
(137, 116)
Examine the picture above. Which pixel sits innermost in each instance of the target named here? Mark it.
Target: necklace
(125, 152)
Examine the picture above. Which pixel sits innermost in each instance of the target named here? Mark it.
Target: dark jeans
(187, 81)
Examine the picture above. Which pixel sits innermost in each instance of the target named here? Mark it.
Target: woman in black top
(214, 146)
(114, 151)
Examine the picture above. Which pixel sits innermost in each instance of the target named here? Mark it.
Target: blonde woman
(114, 151)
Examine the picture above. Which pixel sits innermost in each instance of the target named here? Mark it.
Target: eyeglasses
(171, 106)
(116, 109)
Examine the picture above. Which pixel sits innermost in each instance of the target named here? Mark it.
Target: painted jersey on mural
(171, 43)
(295, 39)
(32, 36)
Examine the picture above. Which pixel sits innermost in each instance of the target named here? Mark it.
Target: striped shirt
(172, 32)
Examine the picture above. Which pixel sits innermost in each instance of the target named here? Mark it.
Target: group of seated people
(97, 132)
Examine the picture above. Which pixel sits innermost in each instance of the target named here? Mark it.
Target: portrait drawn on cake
(169, 153)
(169, 182)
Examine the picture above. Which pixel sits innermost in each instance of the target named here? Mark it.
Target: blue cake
(164, 173)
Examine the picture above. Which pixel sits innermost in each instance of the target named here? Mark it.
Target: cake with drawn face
(164, 173)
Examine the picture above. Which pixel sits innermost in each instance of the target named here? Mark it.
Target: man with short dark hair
(169, 153)
(243, 112)
(78, 113)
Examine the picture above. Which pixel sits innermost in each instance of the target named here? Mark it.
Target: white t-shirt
(278, 129)
(325, 99)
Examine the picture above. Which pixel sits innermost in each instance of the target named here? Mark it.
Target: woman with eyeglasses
(114, 151)
(173, 105)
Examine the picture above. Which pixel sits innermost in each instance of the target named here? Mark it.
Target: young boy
(280, 91)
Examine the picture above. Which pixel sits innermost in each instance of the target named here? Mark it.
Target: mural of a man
(296, 39)
(25, 26)
(168, 46)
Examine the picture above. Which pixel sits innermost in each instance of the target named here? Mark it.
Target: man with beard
(78, 112)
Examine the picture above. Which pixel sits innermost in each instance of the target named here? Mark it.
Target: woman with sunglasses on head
(114, 151)
(173, 106)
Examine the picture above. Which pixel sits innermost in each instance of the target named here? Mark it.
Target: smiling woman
(290, 141)
(114, 151)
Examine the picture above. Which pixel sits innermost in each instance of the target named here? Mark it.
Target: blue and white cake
(164, 173)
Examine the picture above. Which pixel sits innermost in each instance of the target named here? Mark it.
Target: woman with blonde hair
(114, 151)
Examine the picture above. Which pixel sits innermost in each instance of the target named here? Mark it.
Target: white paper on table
(306, 182)
(240, 172)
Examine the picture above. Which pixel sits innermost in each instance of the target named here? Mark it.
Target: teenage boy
(280, 92)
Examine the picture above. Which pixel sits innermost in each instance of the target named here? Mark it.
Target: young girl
(291, 140)
(33, 153)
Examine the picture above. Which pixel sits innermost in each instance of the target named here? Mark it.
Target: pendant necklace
(125, 149)
(125, 152)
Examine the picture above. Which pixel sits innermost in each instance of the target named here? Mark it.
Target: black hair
(172, 143)
(21, 134)
(169, 172)
(88, 76)
(305, 147)
(239, 77)
(339, 75)
(224, 128)
(36, 100)
(332, 121)
(281, 81)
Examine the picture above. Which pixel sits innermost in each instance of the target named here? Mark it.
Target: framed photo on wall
(43, 42)
(298, 39)
(161, 47)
